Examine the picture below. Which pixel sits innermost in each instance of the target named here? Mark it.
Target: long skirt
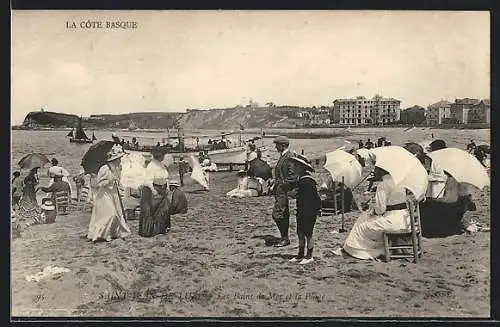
(28, 211)
(366, 241)
(107, 220)
(151, 224)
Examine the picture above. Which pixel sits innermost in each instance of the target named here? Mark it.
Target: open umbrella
(463, 166)
(133, 173)
(405, 169)
(95, 157)
(33, 160)
(342, 164)
(366, 154)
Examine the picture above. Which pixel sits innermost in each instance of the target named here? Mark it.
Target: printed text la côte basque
(92, 24)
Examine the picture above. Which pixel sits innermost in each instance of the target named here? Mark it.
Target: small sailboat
(93, 137)
(80, 136)
(70, 134)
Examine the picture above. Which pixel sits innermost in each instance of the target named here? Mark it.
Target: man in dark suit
(285, 179)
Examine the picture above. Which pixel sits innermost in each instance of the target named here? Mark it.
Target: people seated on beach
(308, 208)
(380, 142)
(248, 186)
(369, 144)
(442, 212)
(480, 155)
(330, 190)
(155, 206)
(56, 168)
(108, 219)
(471, 146)
(122, 143)
(360, 144)
(28, 211)
(178, 202)
(387, 213)
(17, 188)
(208, 165)
(58, 186)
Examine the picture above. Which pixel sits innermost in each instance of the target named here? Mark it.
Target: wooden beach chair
(82, 201)
(63, 201)
(410, 245)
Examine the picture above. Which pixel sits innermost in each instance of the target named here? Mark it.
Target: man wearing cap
(285, 179)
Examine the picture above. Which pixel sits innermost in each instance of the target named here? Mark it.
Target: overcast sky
(200, 59)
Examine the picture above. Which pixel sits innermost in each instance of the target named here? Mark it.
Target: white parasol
(463, 166)
(406, 170)
(366, 154)
(342, 164)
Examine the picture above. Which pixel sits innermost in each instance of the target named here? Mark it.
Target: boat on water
(219, 149)
(79, 136)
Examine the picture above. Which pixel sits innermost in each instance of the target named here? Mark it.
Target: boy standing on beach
(308, 207)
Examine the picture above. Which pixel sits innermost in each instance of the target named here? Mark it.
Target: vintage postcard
(250, 164)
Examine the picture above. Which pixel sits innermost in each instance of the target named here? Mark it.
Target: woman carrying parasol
(107, 221)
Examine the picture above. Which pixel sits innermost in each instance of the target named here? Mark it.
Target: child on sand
(308, 206)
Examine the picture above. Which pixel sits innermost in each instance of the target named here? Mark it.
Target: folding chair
(84, 195)
(411, 245)
(63, 202)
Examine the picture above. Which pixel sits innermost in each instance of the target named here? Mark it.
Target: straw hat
(304, 161)
(48, 205)
(115, 153)
(174, 183)
(252, 156)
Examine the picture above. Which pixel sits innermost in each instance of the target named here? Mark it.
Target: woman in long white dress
(108, 220)
(388, 213)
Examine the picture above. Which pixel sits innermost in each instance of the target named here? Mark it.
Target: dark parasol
(414, 148)
(33, 160)
(95, 157)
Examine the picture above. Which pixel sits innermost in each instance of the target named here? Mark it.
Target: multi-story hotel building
(438, 113)
(363, 111)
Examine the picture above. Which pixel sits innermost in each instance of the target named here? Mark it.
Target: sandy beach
(214, 262)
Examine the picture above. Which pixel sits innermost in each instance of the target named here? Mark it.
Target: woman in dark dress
(308, 207)
(441, 217)
(155, 214)
(28, 211)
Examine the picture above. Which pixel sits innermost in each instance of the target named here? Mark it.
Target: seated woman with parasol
(28, 211)
(388, 213)
(107, 221)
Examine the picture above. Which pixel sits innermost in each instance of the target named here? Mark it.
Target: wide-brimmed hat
(48, 205)
(281, 140)
(160, 181)
(241, 172)
(115, 153)
(304, 161)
